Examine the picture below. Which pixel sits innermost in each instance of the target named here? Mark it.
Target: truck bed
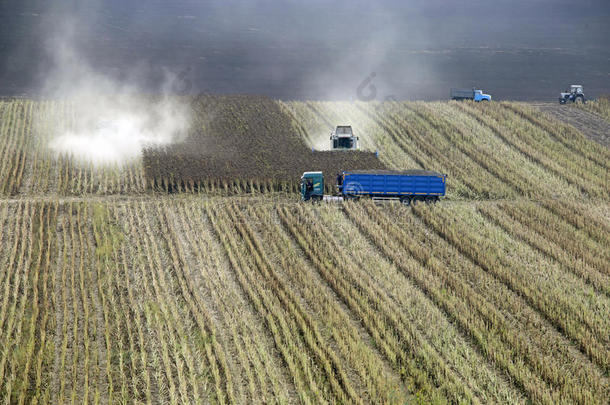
(462, 93)
(388, 183)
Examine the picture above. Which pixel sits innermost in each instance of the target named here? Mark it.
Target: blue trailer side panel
(393, 184)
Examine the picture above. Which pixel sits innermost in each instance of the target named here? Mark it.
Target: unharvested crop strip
(590, 185)
(346, 336)
(585, 328)
(503, 169)
(242, 319)
(550, 242)
(16, 314)
(565, 134)
(442, 150)
(582, 220)
(171, 316)
(250, 354)
(203, 319)
(39, 241)
(330, 364)
(467, 308)
(298, 364)
(385, 326)
(123, 277)
(539, 139)
(157, 314)
(525, 330)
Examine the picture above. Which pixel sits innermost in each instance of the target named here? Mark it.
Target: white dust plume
(109, 122)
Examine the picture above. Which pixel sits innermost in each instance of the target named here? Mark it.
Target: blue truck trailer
(408, 186)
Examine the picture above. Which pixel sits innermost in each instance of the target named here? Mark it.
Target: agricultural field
(591, 119)
(600, 106)
(195, 275)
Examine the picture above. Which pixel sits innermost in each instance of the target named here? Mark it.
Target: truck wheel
(430, 200)
(406, 200)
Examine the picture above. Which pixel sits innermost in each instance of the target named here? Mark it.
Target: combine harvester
(343, 138)
(408, 186)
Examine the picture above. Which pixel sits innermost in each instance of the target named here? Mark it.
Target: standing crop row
(256, 371)
(369, 369)
(484, 309)
(295, 334)
(26, 311)
(558, 294)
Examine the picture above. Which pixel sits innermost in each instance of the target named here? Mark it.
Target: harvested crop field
(592, 119)
(230, 290)
(245, 138)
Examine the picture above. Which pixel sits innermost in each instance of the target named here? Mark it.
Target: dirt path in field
(591, 125)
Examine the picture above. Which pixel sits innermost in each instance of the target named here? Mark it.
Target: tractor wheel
(562, 101)
(578, 100)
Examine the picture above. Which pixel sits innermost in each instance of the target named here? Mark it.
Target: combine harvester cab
(343, 138)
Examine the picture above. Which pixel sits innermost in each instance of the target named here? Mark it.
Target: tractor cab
(312, 186)
(343, 138)
(574, 94)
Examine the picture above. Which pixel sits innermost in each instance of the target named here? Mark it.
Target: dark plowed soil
(591, 125)
(244, 139)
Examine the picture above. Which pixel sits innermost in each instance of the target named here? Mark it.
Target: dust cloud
(110, 121)
(114, 130)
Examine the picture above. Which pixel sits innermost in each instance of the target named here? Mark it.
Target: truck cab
(312, 186)
(343, 138)
(480, 96)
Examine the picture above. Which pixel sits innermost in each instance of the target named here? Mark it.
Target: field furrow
(562, 297)
(346, 337)
(253, 359)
